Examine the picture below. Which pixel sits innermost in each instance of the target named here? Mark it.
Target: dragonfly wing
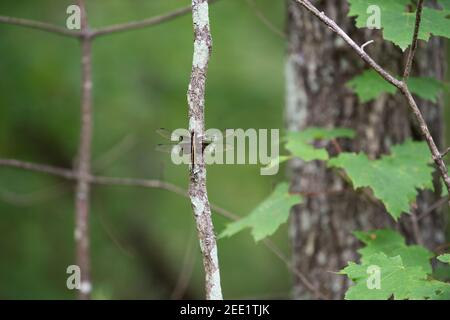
(165, 147)
(211, 137)
(168, 135)
(184, 148)
(215, 148)
(164, 133)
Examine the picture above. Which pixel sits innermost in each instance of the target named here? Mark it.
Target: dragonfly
(209, 143)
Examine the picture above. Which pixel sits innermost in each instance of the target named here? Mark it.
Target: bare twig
(32, 198)
(186, 270)
(437, 158)
(402, 86)
(48, 27)
(143, 23)
(309, 285)
(38, 25)
(43, 168)
(433, 207)
(441, 248)
(144, 183)
(115, 152)
(445, 152)
(415, 226)
(197, 185)
(336, 145)
(367, 43)
(264, 19)
(84, 161)
(412, 50)
(100, 180)
(111, 235)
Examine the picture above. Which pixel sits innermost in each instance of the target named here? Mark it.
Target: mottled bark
(197, 185)
(318, 66)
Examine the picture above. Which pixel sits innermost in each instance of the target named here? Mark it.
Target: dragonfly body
(186, 143)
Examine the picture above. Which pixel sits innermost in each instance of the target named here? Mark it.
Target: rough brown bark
(318, 66)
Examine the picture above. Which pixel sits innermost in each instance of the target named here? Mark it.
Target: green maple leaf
(299, 143)
(398, 24)
(393, 244)
(431, 290)
(395, 178)
(268, 216)
(426, 88)
(396, 279)
(370, 85)
(277, 161)
(403, 270)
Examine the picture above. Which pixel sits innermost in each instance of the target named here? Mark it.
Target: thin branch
(84, 161)
(441, 248)
(197, 181)
(115, 152)
(445, 152)
(43, 168)
(264, 19)
(99, 180)
(433, 207)
(336, 145)
(437, 158)
(309, 285)
(38, 25)
(361, 53)
(140, 24)
(130, 182)
(111, 235)
(412, 50)
(415, 226)
(185, 274)
(402, 86)
(143, 23)
(48, 27)
(34, 197)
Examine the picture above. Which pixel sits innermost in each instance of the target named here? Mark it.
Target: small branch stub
(366, 44)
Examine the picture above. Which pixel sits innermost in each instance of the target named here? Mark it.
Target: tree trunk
(318, 66)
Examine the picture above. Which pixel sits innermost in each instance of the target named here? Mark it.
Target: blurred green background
(139, 236)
